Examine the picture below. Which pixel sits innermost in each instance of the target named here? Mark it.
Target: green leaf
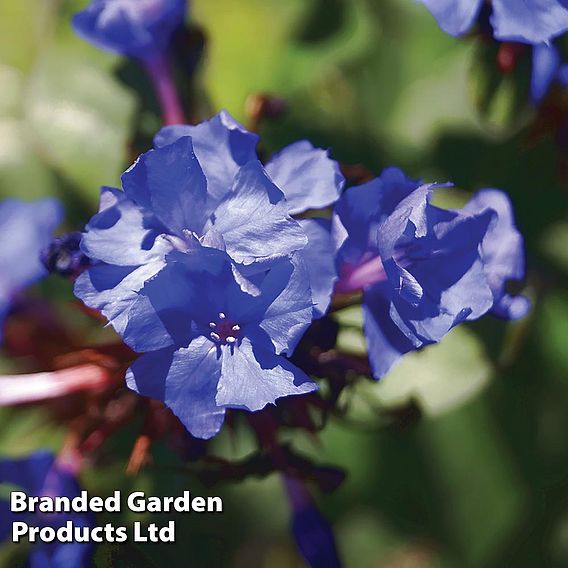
(439, 378)
(273, 26)
(30, 429)
(554, 244)
(553, 331)
(350, 337)
(479, 490)
(80, 119)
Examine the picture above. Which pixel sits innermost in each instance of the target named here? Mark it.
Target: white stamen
(214, 336)
(212, 325)
(231, 339)
(222, 315)
(236, 328)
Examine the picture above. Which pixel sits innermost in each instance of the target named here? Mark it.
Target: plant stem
(160, 73)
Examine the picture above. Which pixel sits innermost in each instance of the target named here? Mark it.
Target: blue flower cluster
(38, 474)
(199, 264)
(20, 264)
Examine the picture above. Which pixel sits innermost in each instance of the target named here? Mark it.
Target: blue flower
(529, 21)
(204, 185)
(198, 264)
(39, 475)
(135, 28)
(224, 346)
(25, 229)
(422, 269)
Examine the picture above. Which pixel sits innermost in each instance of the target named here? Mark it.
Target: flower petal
(529, 21)
(427, 322)
(221, 145)
(545, 65)
(443, 280)
(186, 380)
(309, 178)
(254, 219)
(502, 252)
(454, 16)
(363, 208)
(114, 290)
(319, 258)
(133, 28)
(253, 376)
(178, 186)
(436, 278)
(386, 343)
(121, 232)
(289, 313)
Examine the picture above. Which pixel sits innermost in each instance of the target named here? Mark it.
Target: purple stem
(161, 76)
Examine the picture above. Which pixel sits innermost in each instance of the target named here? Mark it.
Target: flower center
(224, 331)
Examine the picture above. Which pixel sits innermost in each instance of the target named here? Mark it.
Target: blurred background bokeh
(481, 478)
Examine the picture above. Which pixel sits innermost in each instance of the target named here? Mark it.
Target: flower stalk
(160, 74)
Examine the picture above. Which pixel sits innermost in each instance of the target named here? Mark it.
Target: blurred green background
(482, 479)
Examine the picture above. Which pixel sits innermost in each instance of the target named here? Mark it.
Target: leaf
(438, 378)
(30, 429)
(238, 29)
(80, 120)
(554, 244)
(553, 331)
(480, 492)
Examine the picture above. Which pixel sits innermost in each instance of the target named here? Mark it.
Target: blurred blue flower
(314, 538)
(25, 229)
(204, 189)
(135, 28)
(223, 347)
(39, 475)
(311, 530)
(422, 269)
(526, 21)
